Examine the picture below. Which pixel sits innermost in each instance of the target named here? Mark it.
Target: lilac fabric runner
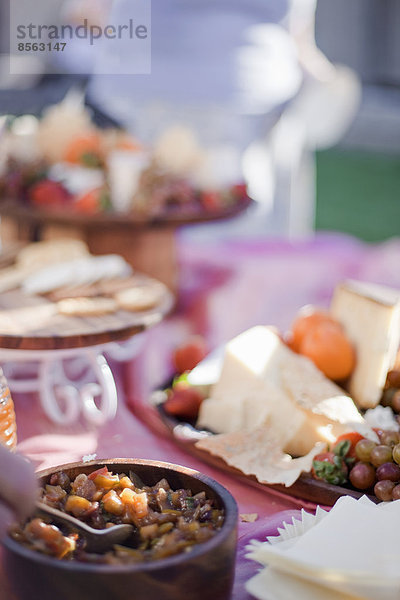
(259, 530)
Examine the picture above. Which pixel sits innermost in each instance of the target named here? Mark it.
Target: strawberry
(183, 402)
(210, 201)
(330, 467)
(187, 356)
(48, 193)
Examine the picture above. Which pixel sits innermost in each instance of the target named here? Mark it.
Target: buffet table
(225, 287)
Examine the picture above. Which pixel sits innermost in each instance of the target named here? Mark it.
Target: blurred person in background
(247, 77)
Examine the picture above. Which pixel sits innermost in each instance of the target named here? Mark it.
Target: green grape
(381, 454)
(363, 449)
(390, 438)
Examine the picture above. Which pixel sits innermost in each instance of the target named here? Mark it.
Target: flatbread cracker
(105, 287)
(141, 297)
(86, 307)
(248, 517)
(88, 290)
(12, 277)
(259, 453)
(41, 254)
(109, 287)
(79, 271)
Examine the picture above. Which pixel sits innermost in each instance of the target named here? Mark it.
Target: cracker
(104, 287)
(79, 271)
(109, 287)
(40, 254)
(12, 277)
(141, 297)
(88, 290)
(259, 452)
(248, 517)
(86, 307)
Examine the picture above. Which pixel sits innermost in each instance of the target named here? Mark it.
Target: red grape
(396, 492)
(362, 476)
(383, 490)
(389, 471)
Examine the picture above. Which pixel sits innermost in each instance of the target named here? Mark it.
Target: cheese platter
(57, 296)
(305, 487)
(276, 410)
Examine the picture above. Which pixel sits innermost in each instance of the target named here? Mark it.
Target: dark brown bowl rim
(230, 523)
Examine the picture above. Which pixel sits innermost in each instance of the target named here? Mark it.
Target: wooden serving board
(33, 323)
(305, 488)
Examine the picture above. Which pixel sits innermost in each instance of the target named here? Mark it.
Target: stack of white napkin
(352, 552)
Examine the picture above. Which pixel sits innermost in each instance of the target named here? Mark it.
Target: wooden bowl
(206, 571)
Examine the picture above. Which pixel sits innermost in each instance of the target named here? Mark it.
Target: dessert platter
(80, 173)
(62, 176)
(312, 413)
(60, 303)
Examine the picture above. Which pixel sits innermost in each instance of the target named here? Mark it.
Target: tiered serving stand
(63, 358)
(62, 352)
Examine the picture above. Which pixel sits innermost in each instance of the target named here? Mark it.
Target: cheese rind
(370, 315)
(264, 383)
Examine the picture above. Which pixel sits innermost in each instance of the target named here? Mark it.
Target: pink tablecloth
(127, 436)
(225, 288)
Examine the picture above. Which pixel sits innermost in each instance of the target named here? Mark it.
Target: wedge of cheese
(370, 315)
(264, 383)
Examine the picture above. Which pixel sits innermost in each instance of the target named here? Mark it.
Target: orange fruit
(328, 347)
(307, 318)
(89, 203)
(86, 150)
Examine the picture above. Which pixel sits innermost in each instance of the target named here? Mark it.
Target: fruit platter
(64, 167)
(312, 412)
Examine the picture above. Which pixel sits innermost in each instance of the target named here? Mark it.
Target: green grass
(358, 193)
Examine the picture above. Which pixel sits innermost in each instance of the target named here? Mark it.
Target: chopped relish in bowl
(166, 521)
